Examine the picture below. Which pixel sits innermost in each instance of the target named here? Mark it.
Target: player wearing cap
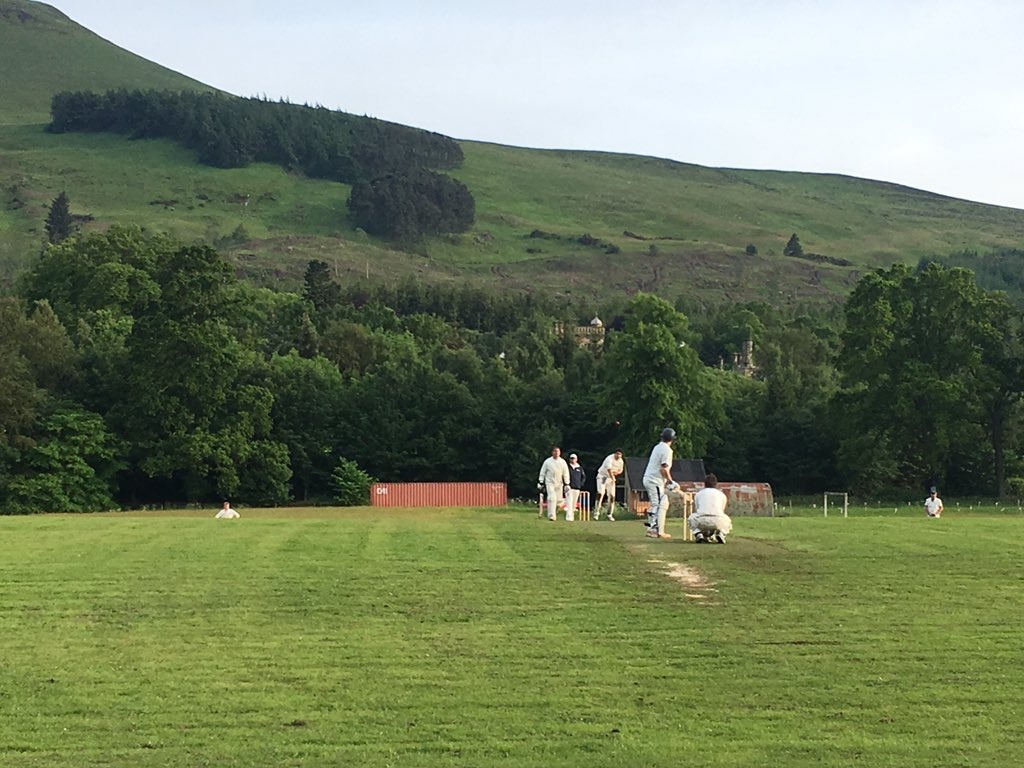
(933, 504)
(577, 477)
(554, 480)
(658, 481)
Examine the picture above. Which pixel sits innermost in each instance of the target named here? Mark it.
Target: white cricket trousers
(571, 500)
(553, 493)
(605, 489)
(708, 524)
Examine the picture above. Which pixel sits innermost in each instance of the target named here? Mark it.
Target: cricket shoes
(664, 535)
(652, 535)
(699, 538)
(611, 518)
(717, 537)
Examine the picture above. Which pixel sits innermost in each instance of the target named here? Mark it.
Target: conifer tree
(60, 224)
(793, 247)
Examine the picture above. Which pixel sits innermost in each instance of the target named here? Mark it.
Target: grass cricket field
(328, 637)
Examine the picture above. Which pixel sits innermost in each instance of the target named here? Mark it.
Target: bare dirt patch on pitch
(697, 586)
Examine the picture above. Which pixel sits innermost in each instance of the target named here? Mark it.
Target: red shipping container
(749, 498)
(439, 494)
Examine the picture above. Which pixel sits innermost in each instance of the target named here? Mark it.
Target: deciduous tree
(924, 365)
(652, 378)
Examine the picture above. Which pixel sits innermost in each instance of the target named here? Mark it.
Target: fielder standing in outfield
(933, 504)
(577, 477)
(658, 481)
(709, 522)
(610, 469)
(554, 481)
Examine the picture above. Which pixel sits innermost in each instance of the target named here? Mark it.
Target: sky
(922, 93)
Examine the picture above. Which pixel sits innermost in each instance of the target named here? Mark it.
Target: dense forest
(398, 191)
(998, 270)
(137, 370)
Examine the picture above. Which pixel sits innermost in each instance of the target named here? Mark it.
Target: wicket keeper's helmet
(668, 434)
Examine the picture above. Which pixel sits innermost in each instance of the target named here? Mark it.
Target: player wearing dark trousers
(577, 477)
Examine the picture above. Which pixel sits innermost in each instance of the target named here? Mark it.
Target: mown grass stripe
(327, 637)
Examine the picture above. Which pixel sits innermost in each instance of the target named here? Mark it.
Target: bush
(1015, 487)
(265, 473)
(350, 484)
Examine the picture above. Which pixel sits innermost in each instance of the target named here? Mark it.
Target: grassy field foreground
(482, 638)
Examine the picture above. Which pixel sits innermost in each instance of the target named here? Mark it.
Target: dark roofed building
(684, 471)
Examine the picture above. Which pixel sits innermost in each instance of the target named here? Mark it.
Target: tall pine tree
(60, 224)
(793, 247)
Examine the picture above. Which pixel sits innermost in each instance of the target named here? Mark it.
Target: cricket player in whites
(658, 482)
(607, 473)
(554, 481)
(227, 513)
(709, 522)
(933, 504)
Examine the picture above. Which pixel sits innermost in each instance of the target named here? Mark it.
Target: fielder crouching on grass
(709, 522)
(227, 513)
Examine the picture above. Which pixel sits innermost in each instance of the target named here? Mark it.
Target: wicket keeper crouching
(709, 522)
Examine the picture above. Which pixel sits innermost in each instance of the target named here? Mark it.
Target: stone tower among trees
(743, 361)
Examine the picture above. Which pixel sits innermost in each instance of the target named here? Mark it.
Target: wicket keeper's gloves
(540, 486)
(672, 486)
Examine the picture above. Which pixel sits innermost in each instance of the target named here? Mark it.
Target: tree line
(397, 189)
(998, 270)
(136, 370)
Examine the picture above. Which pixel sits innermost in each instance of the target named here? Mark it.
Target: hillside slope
(580, 224)
(697, 223)
(42, 51)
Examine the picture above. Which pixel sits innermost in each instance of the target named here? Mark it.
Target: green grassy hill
(42, 51)
(677, 228)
